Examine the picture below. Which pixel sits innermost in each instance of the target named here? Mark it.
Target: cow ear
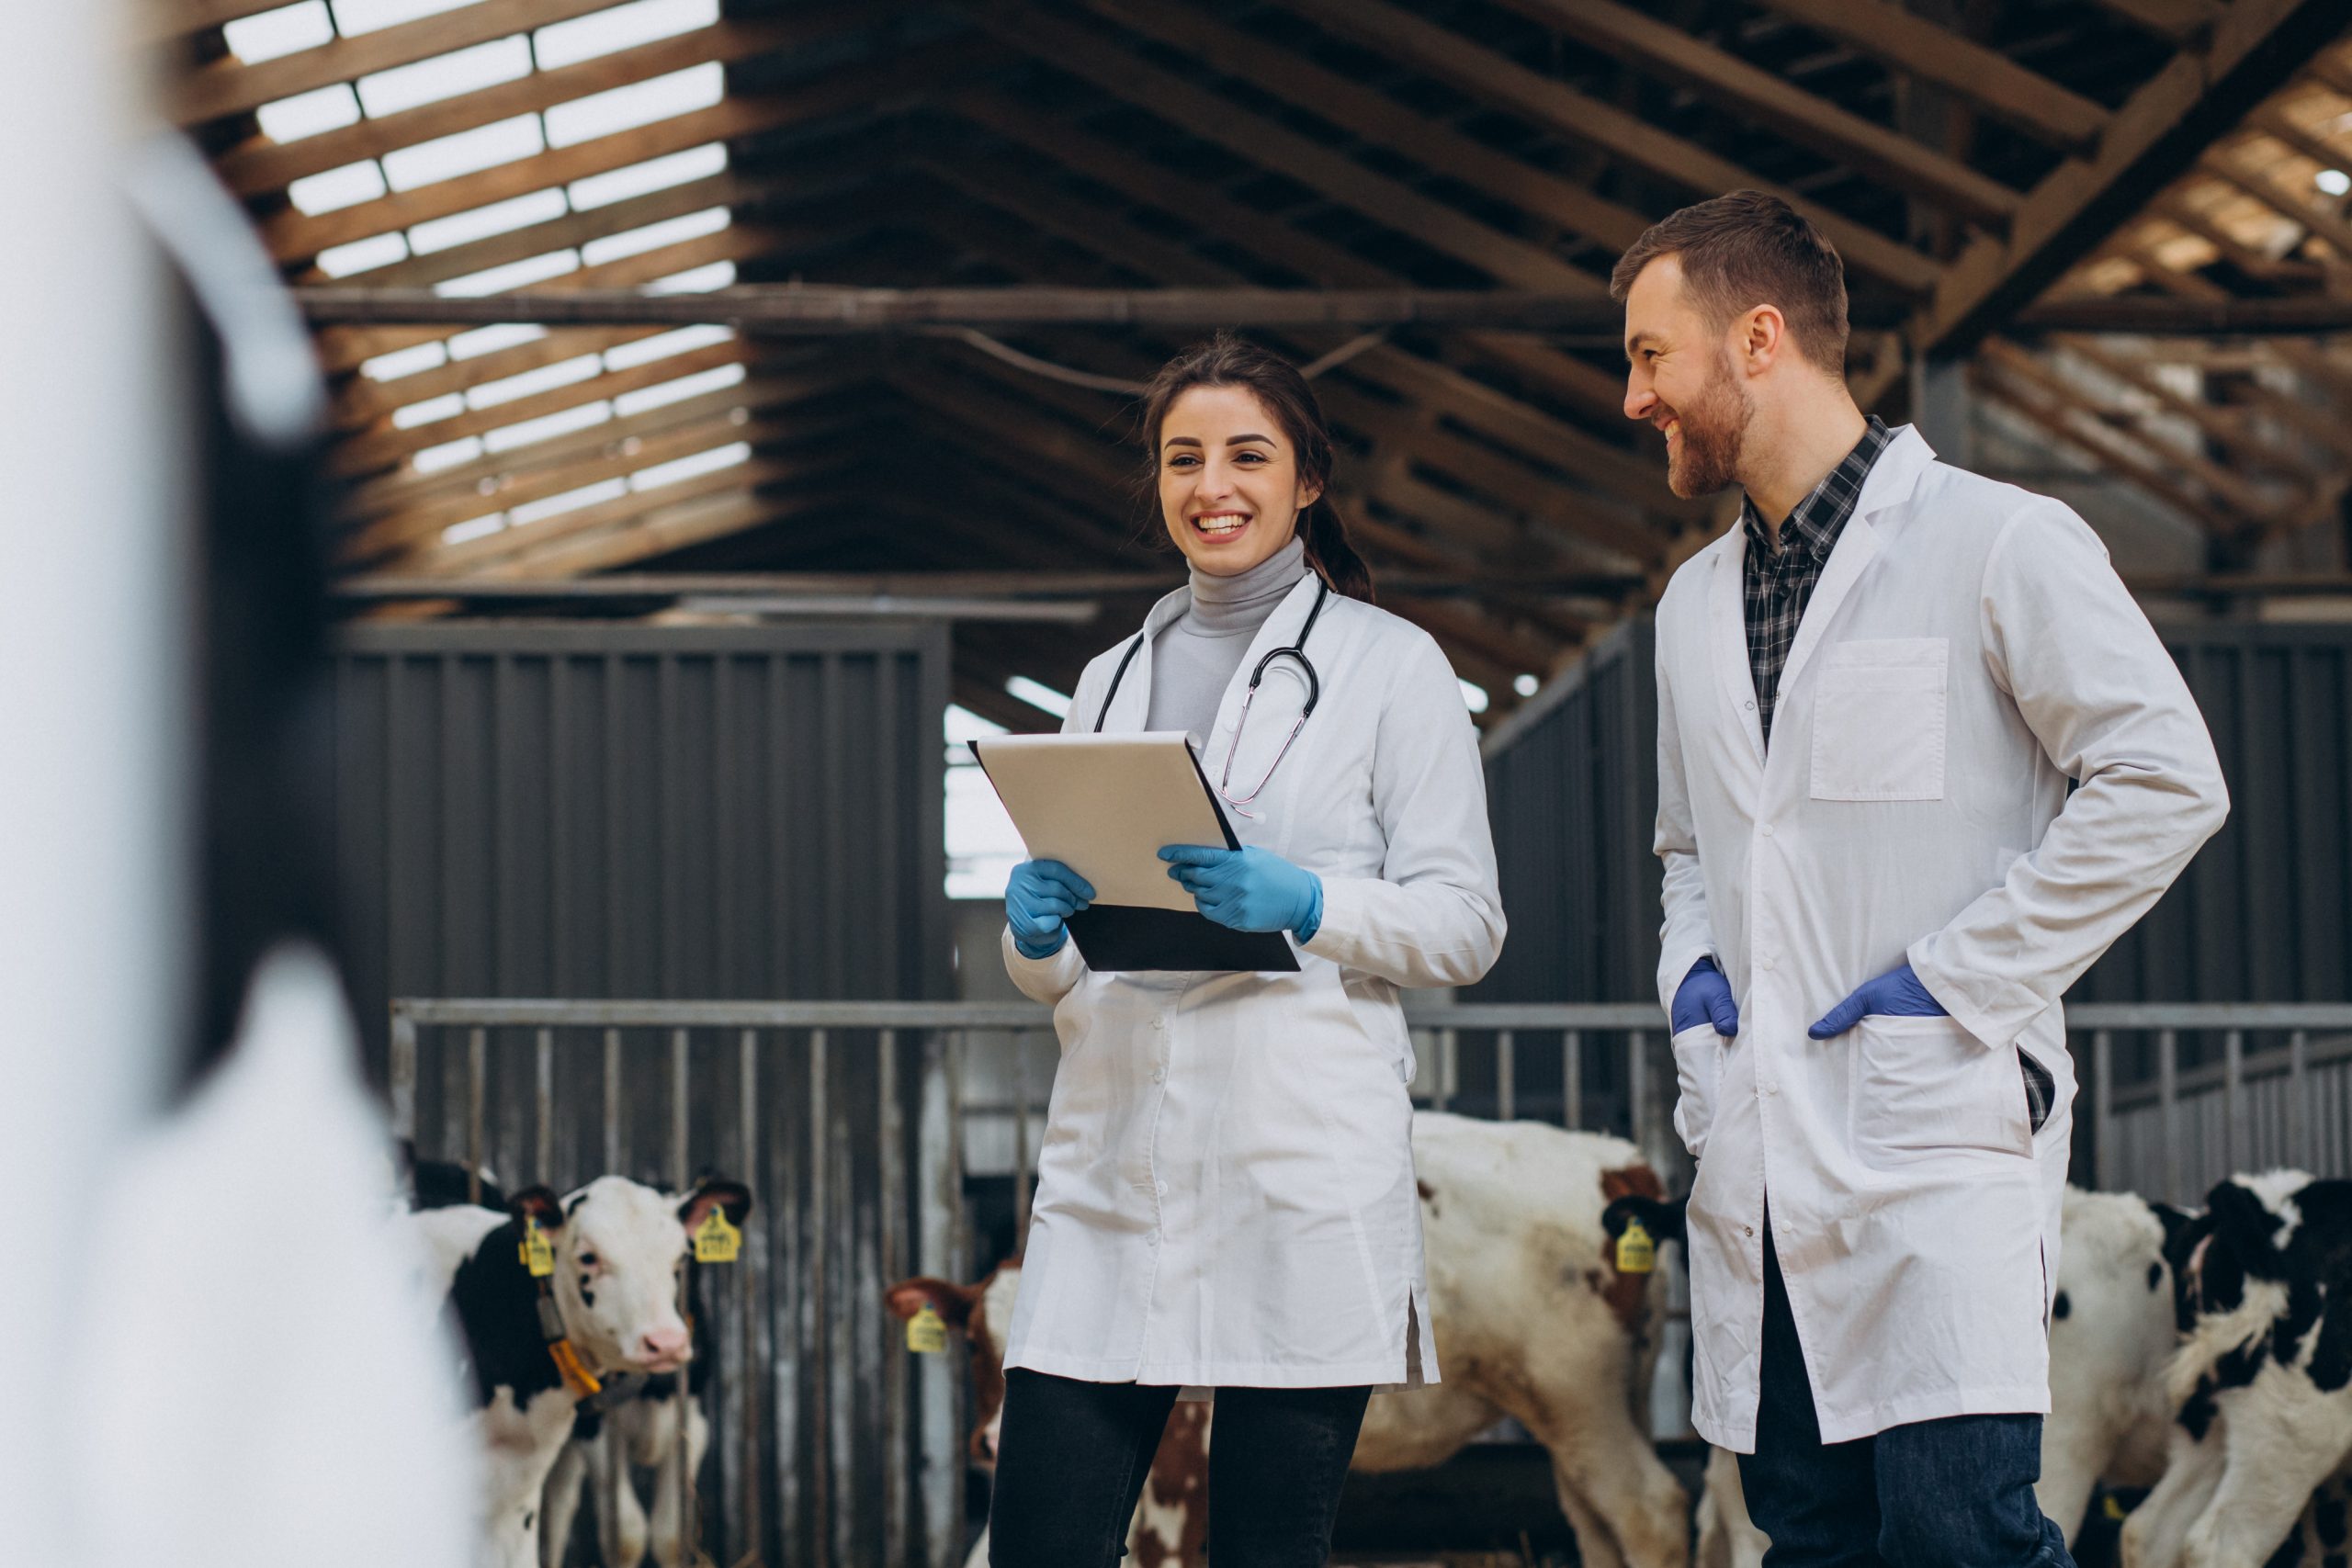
(1662, 1219)
(538, 1204)
(2176, 1222)
(952, 1302)
(711, 1192)
(2245, 1227)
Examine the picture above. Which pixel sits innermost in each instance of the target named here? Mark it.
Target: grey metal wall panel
(585, 811)
(2263, 914)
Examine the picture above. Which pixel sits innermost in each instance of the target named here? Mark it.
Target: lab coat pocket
(1698, 1069)
(1878, 721)
(1926, 1087)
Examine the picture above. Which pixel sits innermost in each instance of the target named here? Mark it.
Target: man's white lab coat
(1967, 652)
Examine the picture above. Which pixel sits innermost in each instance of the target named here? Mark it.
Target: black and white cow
(2262, 1380)
(619, 1252)
(2113, 1335)
(608, 1446)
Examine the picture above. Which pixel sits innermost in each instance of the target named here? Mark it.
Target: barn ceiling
(1968, 157)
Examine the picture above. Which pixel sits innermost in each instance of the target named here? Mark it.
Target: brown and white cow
(1533, 1320)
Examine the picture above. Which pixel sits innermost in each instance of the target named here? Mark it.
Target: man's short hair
(1748, 249)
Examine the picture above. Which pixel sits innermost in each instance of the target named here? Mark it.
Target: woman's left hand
(1249, 890)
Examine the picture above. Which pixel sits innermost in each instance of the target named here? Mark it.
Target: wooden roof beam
(1260, 233)
(1864, 146)
(2218, 426)
(2066, 423)
(674, 523)
(388, 445)
(1489, 76)
(258, 164)
(1444, 391)
(228, 85)
(295, 236)
(2022, 368)
(387, 494)
(2158, 133)
(1123, 74)
(422, 527)
(1997, 86)
(1380, 120)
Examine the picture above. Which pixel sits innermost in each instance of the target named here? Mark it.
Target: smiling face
(1229, 487)
(1681, 378)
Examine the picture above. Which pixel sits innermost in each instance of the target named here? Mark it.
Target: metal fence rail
(850, 1118)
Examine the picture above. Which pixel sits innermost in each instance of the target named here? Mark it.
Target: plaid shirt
(1779, 583)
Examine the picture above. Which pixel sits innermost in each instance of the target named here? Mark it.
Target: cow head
(983, 1312)
(620, 1258)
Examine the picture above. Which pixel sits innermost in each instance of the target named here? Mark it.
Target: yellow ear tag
(2114, 1509)
(927, 1332)
(1636, 1253)
(536, 1254)
(716, 1240)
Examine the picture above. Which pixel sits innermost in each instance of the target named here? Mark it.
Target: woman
(1225, 1193)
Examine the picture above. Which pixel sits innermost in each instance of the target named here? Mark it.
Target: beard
(1714, 436)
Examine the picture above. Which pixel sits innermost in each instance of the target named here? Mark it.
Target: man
(1873, 694)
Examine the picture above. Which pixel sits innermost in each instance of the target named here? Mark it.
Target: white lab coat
(1224, 1190)
(1967, 651)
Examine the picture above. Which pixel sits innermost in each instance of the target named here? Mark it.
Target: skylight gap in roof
(640, 179)
(481, 222)
(446, 76)
(356, 16)
(669, 232)
(307, 114)
(687, 468)
(684, 387)
(622, 27)
(695, 280)
(510, 276)
(638, 103)
(290, 30)
(465, 153)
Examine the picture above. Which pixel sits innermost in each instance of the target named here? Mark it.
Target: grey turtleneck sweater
(1195, 656)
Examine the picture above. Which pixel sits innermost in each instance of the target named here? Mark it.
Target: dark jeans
(1954, 1493)
(1072, 1456)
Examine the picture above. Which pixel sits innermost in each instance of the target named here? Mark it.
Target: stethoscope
(1295, 653)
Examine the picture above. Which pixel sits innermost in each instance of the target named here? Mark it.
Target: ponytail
(1225, 360)
(1329, 551)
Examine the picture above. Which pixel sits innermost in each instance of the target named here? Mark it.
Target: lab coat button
(1160, 1023)
(1765, 964)
(1160, 1189)
(1767, 830)
(1159, 1075)
(1750, 707)
(1747, 1230)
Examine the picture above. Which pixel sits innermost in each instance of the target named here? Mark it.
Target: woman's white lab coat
(1967, 651)
(1224, 1190)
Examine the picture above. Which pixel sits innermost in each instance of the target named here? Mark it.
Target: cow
(1533, 1320)
(608, 1446)
(2260, 1380)
(610, 1308)
(2112, 1332)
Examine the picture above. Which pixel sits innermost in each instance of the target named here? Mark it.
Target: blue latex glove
(1250, 890)
(1704, 997)
(1895, 993)
(1040, 895)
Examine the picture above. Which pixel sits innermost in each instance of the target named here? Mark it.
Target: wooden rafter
(1986, 78)
(1495, 78)
(2160, 129)
(1865, 146)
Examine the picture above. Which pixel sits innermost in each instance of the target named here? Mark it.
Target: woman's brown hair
(1225, 360)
